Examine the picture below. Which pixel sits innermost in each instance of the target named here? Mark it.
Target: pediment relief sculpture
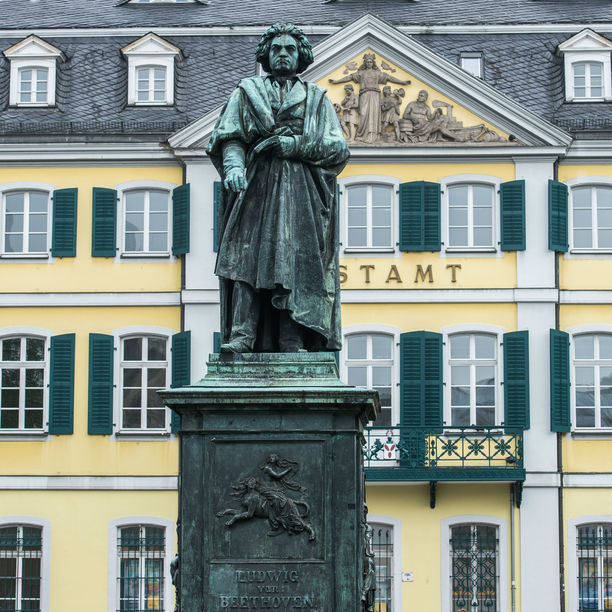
(372, 112)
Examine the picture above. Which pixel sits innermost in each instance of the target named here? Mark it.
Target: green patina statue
(278, 147)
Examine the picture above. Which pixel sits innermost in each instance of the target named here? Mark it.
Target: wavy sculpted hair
(305, 56)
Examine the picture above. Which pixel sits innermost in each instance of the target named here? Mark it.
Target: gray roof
(109, 13)
(92, 82)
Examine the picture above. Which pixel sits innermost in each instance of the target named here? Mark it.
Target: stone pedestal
(271, 487)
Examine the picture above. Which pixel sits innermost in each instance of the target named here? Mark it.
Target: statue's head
(386, 90)
(278, 35)
(423, 95)
(369, 62)
(349, 88)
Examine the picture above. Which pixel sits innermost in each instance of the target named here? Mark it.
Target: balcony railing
(444, 454)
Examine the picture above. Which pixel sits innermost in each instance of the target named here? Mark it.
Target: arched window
(369, 216)
(25, 222)
(593, 546)
(146, 216)
(471, 208)
(588, 79)
(591, 218)
(151, 84)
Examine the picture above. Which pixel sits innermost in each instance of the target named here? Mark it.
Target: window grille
(146, 215)
(141, 551)
(473, 372)
(22, 383)
(382, 541)
(369, 215)
(144, 371)
(20, 568)
(369, 363)
(26, 220)
(594, 547)
(474, 551)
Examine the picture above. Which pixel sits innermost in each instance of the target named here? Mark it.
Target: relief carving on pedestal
(272, 495)
(372, 116)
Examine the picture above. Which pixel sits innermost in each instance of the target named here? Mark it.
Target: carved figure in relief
(390, 106)
(277, 498)
(278, 147)
(369, 77)
(368, 589)
(350, 115)
(424, 124)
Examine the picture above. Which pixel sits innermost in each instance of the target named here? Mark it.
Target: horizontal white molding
(22, 300)
(442, 153)
(601, 296)
(588, 481)
(200, 296)
(542, 479)
(85, 154)
(89, 483)
(524, 28)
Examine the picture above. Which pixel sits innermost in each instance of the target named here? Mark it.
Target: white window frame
(33, 52)
(118, 336)
(467, 328)
(470, 179)
(387, 330)
(42, 334)
(45, 565)
(395, 525)
(580, 330)
(502, 555)
(472, 55)
(587, 46)
(150, 51)
(113, 564)
(7, 188)
(583, 181)
(140, 185)
(369, 179)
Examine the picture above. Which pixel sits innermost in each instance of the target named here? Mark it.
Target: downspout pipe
(512, 552)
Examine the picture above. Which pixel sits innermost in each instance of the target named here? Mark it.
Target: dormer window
(587, 67)
(151, 71)
(33, 72)
(472, 63)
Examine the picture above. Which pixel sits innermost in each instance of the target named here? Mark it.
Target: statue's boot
(245, 315)
(290, 334)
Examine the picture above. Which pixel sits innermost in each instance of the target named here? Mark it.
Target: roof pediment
(586, 40)
(150, 44)
(456, 110)
(33, 47)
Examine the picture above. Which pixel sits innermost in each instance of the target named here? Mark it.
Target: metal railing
(446, 453)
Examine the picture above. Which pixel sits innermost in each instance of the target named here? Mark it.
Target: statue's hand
(235, 180)
(286, 146)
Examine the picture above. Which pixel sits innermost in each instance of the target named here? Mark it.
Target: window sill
(589, 100)
(21, 435)
(25, 255)
(32, 105)
(368, 250)
(470, 250)
(142, 434)
(147, 255)
(164, 103)
(588, 434)
(590, 251)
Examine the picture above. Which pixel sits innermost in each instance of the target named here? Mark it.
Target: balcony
(444, 454)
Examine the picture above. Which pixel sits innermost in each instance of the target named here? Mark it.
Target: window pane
(585, 376)
(381, 195)
(483, 236)
(9, 398)
(581, 197)
(357, 347)
(33, 398)
(605, 347)
(460, 347)
(132, 398)
(33, 419)
(482, 216)
(485, 347)
(158, 242)
(381, 237)
(604, 217)
(357, 237)
(10, 378)
(156, 377)
(134, 242)
(357, 376)
(132, 349)
(458, 236)
(131, 419)
(605, 396)
(485, 417)
(9, 419)
(605, 376)
(606, 421)
(485, 396)
(381, 347)
(357, 195)
(458, 196)
(134, 222)
(11, 349)
(582, 217)
(604, 238)
(604, 197)
(14, 223)
(38, 202)
(585, 417)
(35, 349)
(584, 347)
(381, 376)
(158, 222)
(585, 396)
(460, 417)
(132, 377)
(458, 216)
(14, 243)
(156, 419)
(485, 375)
(153, 399)
(482, 195)
(460, 375)
(357, 217)
(460, 396)
(157, 349)
(14, 202)
(134, 201)
(38, 243)
(471, 65)
(38, 223)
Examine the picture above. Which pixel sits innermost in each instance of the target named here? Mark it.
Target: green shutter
(512, 203)
(104, 224)
(61, 384)
(216, 342)
(516, 381)
(419, 216)
(216, 202)
(181, 369)
(101, 358)
(63, 242)
(557, 216)
(560, 419)
(421, 379)
(180, 219)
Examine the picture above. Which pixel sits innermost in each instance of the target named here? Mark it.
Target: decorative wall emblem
(272, 494)
(374, 116)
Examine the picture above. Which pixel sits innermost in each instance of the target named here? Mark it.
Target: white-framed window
(140, 551)
(33, 72)
(369, 212)
(473, 376)
(474, 562)
(470, 214)
(25, 222)
(382, 544)
(370, 360)
(151, 70)
(146, 221)
(592, 378)
(586, 58)
(591, 217)
(472, 63)
(24, 564)
(23, 380)
(144, 370)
